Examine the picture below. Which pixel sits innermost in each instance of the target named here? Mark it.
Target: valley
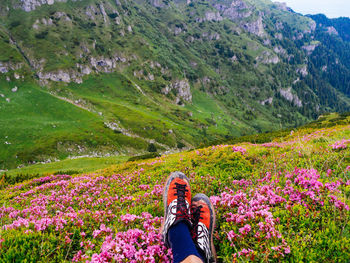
(95, 78)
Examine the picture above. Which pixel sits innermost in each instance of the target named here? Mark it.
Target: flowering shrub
(342, 144)
(239, 149)
(279, 201)
(134, 244)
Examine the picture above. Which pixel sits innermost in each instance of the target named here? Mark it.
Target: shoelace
(181, 210)
(196, 212)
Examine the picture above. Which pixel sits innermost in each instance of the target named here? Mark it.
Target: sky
(331, 8)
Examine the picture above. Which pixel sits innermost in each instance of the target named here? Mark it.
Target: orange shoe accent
(172, 190)
(205, 212)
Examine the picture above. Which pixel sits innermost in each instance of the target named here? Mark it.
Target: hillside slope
(173, 73)
(286, 200)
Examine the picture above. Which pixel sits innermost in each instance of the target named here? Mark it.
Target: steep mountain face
(332, 58)
(335, 26)
(172, 73)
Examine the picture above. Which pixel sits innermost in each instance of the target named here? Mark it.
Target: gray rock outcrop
(213, 16)
(96, 64)
(182, 90)
(302, 71)
(332, 31)
(3, 68)
(268, 101)
(298, 36)
(8, 66)
(177, 30)
(312, 27)
(310, 48)
(288, 95)
(59, 75)
(238, 9)
(256, 27)
(31, 5)
(266, 57)
(104, 14)
(280, 50)
(279, 36)
(157, 3)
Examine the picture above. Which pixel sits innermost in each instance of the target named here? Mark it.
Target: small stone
(150, 77)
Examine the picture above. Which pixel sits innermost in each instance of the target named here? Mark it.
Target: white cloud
(331, 8)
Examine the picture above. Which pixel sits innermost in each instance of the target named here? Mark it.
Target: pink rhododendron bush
(287, 200)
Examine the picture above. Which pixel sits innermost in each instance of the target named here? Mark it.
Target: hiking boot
(177, 200)
(203, 223)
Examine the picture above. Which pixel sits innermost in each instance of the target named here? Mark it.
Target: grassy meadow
(36, 126)
(286, 200)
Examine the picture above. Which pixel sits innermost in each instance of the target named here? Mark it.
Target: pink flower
(245, 230)
(67, 239)
(239, 149)
(342, 144)
(128, 218)
(157, 190)
(231, 235)
(329, 172)
(245, 252)
(144, 186)
(338, 203)
(215, 200)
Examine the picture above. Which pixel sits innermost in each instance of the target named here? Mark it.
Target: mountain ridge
(172, 72)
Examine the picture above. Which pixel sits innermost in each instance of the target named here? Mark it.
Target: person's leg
(177, 223)
(182, 245)
(192, 259)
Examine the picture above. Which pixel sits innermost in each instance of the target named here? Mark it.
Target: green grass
(8, 52)
(79, 165)
(36, 126)
(119, 100)
(91, 164)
